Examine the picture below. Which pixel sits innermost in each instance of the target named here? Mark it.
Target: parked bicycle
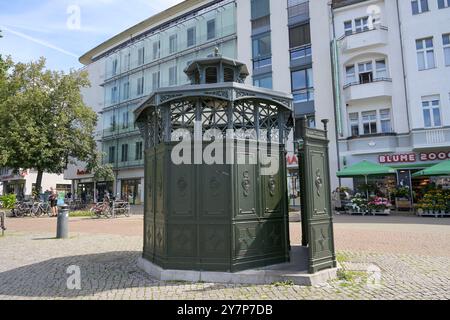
(41, 208)
(101, 209)
(23, 209)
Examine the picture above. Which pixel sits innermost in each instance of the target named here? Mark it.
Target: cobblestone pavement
(33, 266)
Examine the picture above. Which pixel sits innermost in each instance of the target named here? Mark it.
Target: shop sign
(292, 160)
(21, 174)
(412, 157)
(82, 172)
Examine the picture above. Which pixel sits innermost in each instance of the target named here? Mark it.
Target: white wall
(323, 80)
(428, 82)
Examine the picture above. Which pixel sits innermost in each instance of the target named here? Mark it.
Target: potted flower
(380, 205)
(359, 204)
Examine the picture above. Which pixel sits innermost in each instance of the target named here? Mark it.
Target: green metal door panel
(215, 243)
(159, 184)
(182, 241)
(247, 187)
(274, 236)
(322, 249)
(149, 213)
(318, 174)
(160, 238)
(272, 195)
(181, 195)
(248, 239)
(316, 199)
(215, 187)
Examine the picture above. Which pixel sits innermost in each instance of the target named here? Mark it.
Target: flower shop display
(435, 202)
(358, 204)
(379, 205)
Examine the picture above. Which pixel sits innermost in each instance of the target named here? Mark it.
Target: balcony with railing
(301, 55)
(366, 38)
(431, 138)
(378, 87)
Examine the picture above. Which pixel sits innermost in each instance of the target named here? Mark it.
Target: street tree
(44, 122)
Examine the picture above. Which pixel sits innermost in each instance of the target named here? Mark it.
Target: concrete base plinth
(294, 271)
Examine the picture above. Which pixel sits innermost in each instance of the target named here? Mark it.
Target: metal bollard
(62, 229)
(2, 222)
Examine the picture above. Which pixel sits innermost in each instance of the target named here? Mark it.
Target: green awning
(364, 169)
(441, 169)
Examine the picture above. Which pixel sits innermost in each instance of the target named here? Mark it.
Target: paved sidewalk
(34, 264)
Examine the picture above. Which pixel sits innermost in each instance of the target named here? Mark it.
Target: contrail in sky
(38, 41)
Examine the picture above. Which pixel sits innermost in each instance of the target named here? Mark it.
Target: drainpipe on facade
(403, 65)
(336, 88)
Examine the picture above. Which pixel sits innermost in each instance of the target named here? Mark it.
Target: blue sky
(51, 28)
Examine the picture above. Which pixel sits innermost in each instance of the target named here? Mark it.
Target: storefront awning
(441, 169)
(364, 169)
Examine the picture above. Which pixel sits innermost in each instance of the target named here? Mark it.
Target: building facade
(22, 184)
(391, 71)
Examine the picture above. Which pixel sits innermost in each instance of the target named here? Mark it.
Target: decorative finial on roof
(216, 52)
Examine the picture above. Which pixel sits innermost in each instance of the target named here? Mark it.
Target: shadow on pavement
(99, 273)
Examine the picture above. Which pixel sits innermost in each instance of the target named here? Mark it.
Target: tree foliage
(43, 120)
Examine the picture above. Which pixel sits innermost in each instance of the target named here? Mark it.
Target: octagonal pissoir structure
(215, 171)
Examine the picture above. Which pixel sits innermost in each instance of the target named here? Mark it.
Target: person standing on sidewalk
(53, 200)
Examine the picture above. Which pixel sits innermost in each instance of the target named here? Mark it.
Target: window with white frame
(125, 120)
(173, 76)
(127, 61)
(348, 27)
(350, 74)
(155, 80)
(425, 54)
(191, 37)
(385, 120)
(365, 72)
(115, 66)
(446, 45)
(156, 50)
(362, 24)
(211, 29)
(173, 44)
(114, 95)
(126, 90)
(141, 56)
(354, 124)
(140, 86)
(381, 68)
(419, 6)
(431, 112)
(369, 121)
(442, 4)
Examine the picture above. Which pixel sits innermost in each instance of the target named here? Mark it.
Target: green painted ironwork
(317, 216)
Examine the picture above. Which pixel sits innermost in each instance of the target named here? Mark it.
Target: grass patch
(77, 214)
(342, 257)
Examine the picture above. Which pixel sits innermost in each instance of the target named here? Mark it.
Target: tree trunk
(38, 186)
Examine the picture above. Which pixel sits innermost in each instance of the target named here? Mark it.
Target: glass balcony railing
(301, 52)
(304, 95)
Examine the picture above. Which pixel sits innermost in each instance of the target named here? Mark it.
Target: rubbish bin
(62, 231)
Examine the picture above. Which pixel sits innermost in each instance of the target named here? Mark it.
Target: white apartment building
(392, 72)
(277, 42)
